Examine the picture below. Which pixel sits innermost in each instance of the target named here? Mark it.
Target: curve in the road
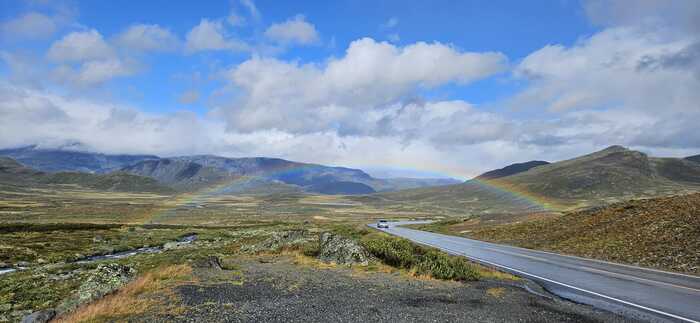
(663, 295)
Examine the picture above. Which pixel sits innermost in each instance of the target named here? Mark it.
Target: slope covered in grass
(661, 232)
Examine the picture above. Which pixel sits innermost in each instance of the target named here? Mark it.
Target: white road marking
(678, 317)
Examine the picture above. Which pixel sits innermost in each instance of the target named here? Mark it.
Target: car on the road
(382, 224)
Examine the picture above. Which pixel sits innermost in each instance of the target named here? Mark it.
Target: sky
(420, 88)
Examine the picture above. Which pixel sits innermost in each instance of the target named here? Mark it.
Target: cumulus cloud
(143, 37)
(295, 30)
(679, 15)
(211, 35)
(303, 98)
(31, 25)
(94, 72)
(635, 70)
(80, 46)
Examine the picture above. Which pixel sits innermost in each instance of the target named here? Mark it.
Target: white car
(382, 224)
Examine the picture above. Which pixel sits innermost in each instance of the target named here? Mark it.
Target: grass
(134, 298)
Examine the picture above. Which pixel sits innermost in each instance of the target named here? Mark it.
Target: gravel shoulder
(277, 289)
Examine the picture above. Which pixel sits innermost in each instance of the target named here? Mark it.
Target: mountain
(179, 174)
(191, 173)
(612, 172)
(695, 158)
(511, 170)
(607, 176)
(57, 160)
(16, 174)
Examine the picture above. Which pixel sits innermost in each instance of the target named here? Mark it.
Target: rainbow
(503, 189)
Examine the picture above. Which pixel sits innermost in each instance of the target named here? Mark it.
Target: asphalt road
(636, 292)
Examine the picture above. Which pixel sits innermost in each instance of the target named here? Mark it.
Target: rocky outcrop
(340, 250)
(42, 316)
(105, 279)
(278, 240)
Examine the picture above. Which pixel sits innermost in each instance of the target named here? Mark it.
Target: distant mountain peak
(614, 149)
(511, 169)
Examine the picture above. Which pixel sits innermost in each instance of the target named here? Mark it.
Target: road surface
(636, 292)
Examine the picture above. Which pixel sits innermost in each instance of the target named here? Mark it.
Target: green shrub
(311, 249)
(401, 253)
(392, 251)
(442, 266)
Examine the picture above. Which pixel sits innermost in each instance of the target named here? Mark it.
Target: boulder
(42, 316)
(211, 262)
(105, 279)
(340, 250)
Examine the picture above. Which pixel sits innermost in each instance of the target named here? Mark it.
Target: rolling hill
(607, 176)
(16, 174)
(695, 158)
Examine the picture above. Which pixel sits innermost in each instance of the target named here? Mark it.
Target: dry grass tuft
(132, 298)
(496, 292)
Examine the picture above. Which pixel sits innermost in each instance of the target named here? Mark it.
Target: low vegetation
(135, 298)
(401, 253)
(661, 233)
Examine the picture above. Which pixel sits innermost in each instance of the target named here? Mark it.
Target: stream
(117, 255)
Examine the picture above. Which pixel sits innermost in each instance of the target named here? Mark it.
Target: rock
(23, 264)
(279, 240)
(42, 316)
(340, 250)
(175, 245)
(212, 262)
(106, 278)
(98, 238)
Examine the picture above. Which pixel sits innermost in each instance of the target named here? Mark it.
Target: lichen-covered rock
(210, 262)
(42, 316)
(340, 250)
(106, 278)
(279, 240)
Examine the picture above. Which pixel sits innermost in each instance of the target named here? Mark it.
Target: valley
(253, 223)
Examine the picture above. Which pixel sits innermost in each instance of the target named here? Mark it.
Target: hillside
(695, 158)
(611, 175)
(660, 232)
(511, 170)
(57, 160)
(14, 173)
(179, 174)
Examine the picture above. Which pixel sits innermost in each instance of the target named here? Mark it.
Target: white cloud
(252, 8)
(142, 37)
(80, 46)
(31, 25)
(371, 75)
(295, 30)
(211, 35)
(94, 72)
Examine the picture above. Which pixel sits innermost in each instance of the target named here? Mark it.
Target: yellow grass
(132, 298)
(496, 292)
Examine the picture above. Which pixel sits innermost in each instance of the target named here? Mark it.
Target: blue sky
(430, 87)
